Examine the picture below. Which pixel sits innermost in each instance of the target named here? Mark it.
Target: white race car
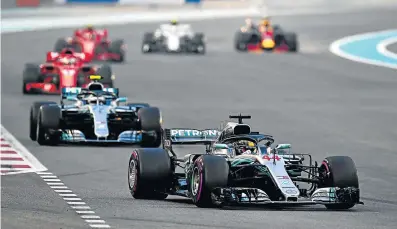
(174, 38)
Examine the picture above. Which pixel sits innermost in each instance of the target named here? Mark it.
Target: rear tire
(149, 173)
(117, 48)
(60, 45)
(31, 74)
(341, 172)
(106, 72)
(147, 43)
(292, 41)
(209, 172)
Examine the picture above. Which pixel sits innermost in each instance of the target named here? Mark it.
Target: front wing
(324, 196)
(76, 136)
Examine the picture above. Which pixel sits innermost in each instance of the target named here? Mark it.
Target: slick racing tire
(150, 119)
(147, 43)
(199, 43)
(341, 172)
(117, 48)
(149, 173)
(34, 113)
(48, 121)
(208, 172)
(61, 44)
(31, 74)
(292, 41)
(106, 72)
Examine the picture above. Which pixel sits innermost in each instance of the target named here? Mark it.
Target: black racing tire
(149, 173)
(239, 43)
(106, 72)
(48, 121)
(152, 140)
(31, 74)
(34, 112)
(117, 48)
(292, 41)
(150, 119)
(208, 172)
(60, 45)
(148, 40)
(199, 43)
(341, 172)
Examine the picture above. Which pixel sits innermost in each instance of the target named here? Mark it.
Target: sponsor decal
(291, 191)
(194, 133)
(272, 157)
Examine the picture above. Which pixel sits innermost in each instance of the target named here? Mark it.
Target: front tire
(341, 172)
(149, 173)
(209, 172)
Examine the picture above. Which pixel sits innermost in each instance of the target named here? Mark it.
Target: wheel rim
(132, 172)
(195, 184)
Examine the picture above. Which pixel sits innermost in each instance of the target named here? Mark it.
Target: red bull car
(260, 39)
(94, 43)
(64, 69)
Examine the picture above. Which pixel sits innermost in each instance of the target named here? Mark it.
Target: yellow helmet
(89, 26)
(251, 144)
(265, 21)
(174, 22)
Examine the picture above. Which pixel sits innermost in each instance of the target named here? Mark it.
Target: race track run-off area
(319, 102)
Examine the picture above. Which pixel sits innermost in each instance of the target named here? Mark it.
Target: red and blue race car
(94, 43)
(64, 69)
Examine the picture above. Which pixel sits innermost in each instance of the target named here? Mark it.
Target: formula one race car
(240, 166)
(94, 43)
(261, 38)
(64, 69)
(174, 38)
(95, 114)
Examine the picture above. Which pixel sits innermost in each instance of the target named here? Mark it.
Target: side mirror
(221, 146)
(122, 99)
(283, 146)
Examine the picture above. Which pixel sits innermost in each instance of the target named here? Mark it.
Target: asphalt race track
(321, 103)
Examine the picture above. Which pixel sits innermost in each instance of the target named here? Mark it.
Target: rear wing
(74, 91)
(191, 136)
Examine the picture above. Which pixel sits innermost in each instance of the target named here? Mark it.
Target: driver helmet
(266, 21)
(174, 22)
(246, 147)
(248, 21)
(89, 27)
(92, 99)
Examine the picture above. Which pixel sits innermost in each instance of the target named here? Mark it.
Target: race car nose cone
(268, 44)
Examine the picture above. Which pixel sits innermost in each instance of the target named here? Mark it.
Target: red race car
(94, 43)
(64, 69)
(264, 37)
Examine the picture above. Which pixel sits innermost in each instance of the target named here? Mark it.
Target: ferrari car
(94, 43)
(63, 69)
(260, 39)
(171, 38)
(239, 166)
(95, 114)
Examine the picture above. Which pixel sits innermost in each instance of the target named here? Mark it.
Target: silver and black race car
(95, 114)
(174, 38)
(239, 166)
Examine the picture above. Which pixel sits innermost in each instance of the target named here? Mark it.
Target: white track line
(93, 220)
(12, 148)
(382, 47)
(335, 48)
